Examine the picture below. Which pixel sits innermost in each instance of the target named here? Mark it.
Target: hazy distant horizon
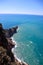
(22, 14)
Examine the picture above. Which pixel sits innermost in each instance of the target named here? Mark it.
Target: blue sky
(21, 7)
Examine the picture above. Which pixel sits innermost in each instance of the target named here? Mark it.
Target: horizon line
(22, 14)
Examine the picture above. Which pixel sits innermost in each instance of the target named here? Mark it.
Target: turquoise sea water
(29, 38)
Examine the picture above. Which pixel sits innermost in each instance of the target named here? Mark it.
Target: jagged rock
(9, 32)
(6, 44)
(4, 40)
(4, 58)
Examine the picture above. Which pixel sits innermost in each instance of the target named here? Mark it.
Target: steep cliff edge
(6, 44)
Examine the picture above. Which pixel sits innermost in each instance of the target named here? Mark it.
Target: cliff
(6, 44)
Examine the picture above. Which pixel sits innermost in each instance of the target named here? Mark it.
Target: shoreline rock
(6, 45)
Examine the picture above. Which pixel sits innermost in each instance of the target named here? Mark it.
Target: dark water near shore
(29, 38)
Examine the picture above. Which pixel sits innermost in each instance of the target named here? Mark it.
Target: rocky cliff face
(6, 59)
(6, 44)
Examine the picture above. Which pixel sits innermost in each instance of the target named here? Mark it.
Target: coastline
(7, 57)
(17, 59)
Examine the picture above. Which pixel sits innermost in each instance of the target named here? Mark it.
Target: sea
(29, 37)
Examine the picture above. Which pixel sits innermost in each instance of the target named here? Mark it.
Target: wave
(14, 42)
(13, 51)
(17, 58)
(18, 29)
(31, 42)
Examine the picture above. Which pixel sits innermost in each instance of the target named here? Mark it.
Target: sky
(21, 7)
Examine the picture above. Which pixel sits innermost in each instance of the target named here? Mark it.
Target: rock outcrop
(9, 32)
(6, 44)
